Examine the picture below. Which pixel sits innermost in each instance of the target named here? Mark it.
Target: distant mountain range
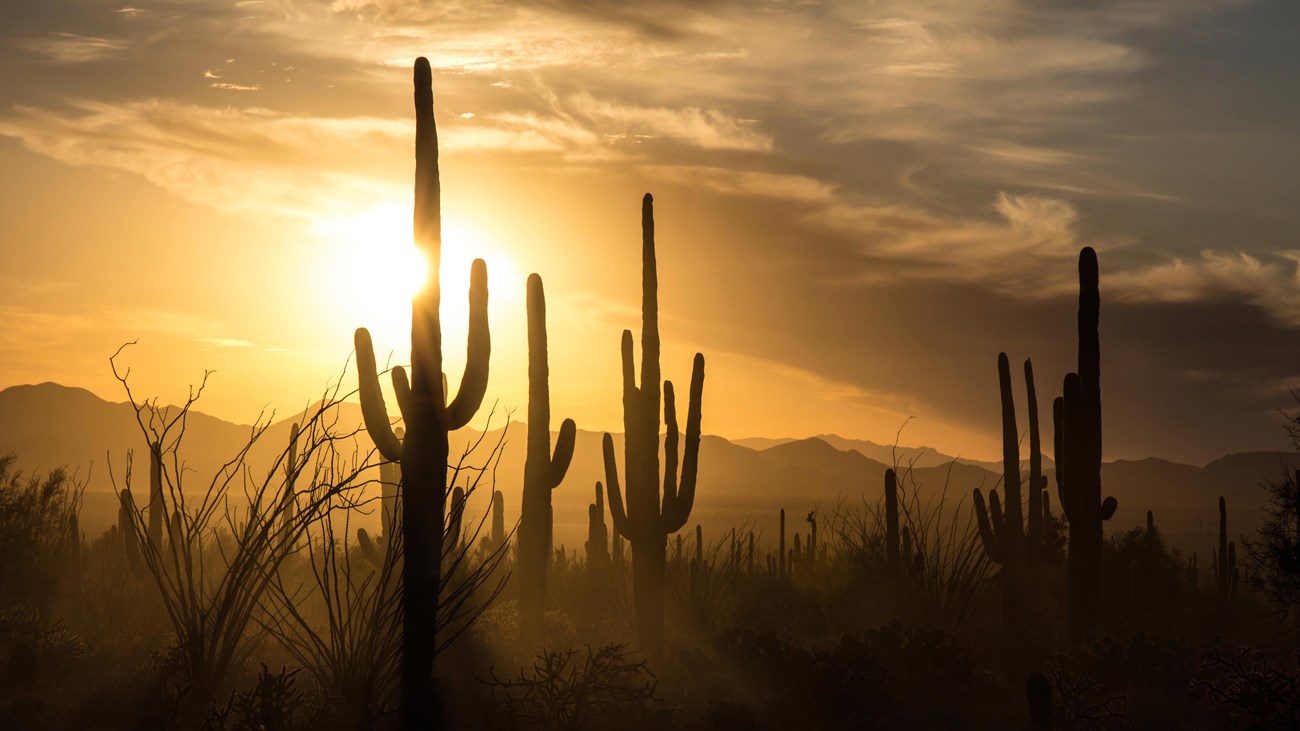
(743, 482)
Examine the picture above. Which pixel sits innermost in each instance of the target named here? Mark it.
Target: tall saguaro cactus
(1001, 525)
(646, 518)
(428, 417)
(1077, 418)
(543, 471)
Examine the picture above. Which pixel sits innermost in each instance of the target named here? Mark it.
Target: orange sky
(859, 204)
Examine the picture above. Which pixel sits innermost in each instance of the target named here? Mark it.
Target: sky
(858, 204)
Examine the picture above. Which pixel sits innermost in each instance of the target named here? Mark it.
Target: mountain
(740, 483)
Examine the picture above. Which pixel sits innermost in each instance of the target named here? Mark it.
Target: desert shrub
(38, 516)
(884, 678)
(571, 690)
(1250, 687)
(274, 703)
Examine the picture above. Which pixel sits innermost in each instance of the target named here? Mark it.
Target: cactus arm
(995, 514)
(672, 453)
(1108, 507)
(629, 370)
(1036, 477)
(685, 499)
(402, 389)
(474, 383)
(563, 452)
(616, 511)
(650, 373)
(987, 535)
(369, 549)
(373, 408)
(1058, 448)
(1011, 529)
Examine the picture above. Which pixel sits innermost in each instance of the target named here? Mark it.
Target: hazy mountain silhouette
(749, 480)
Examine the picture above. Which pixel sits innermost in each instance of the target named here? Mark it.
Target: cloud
(249, 159)
(1270, 282)
(71, 48)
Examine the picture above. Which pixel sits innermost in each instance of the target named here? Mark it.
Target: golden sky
(859, 204)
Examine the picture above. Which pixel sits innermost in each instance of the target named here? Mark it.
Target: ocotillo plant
(428, 417)
(543, 471)
(597, 534)
(648, 519)
(1077, 419)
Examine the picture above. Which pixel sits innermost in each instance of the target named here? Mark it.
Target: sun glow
(374, 265)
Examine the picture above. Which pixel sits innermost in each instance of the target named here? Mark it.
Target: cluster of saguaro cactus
(646, 518)
(1077, 419)
(1017, 548)
(429, 418)
(543, 471)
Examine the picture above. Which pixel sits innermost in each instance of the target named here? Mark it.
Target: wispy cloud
(1270, 282)
(71, 48)
(235, 159)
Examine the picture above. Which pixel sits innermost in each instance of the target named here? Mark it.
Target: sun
(375, 269)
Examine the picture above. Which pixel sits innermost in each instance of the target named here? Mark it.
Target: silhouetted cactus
(543, 471)
(126, 528)
(498, 520)
(616, 553)
(390, 478)
(1000, 528)
(891, 518)
(290, 478)
(1225, 568)
(597, 534)
(1077, 419)
(648, 520)
(157, 507)
(428, 418)
(455, 521)
(780, 552)
(812, 537)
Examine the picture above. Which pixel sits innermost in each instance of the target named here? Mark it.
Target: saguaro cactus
(543, 471)
(1000, 528)
(390, 477)
(1225, 567)
(891, 518)
(428, 417)
(498, 519)
(156, 505)
(1077, 419)
(648, 520)
(597, 534)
